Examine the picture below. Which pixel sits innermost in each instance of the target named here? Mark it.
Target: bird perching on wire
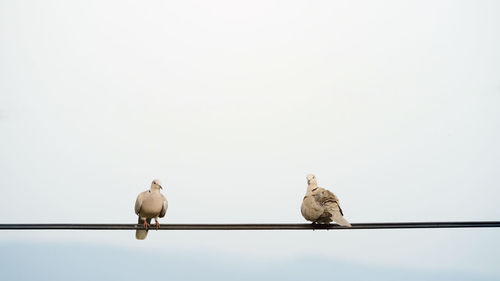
(320, 205)
(150, 204)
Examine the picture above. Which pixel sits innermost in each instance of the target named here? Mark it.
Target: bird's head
(156, 184)
(310, 178)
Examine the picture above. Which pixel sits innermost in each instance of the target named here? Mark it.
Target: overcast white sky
(392, 104)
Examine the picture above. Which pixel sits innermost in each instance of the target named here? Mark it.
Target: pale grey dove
(321, 205)
(150, 204)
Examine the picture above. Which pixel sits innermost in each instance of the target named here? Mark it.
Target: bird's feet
(146, 225)
(157, 224)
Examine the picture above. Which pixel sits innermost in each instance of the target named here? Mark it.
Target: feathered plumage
(150, 204)
(321, 205)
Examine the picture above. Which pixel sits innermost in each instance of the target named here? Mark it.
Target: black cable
(245, 226)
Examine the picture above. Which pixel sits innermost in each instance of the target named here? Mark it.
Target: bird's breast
(310, 209)
(151, 206)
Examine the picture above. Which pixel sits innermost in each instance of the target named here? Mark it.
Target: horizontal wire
(265, 226)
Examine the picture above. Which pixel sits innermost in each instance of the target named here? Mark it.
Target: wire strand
(265, 226)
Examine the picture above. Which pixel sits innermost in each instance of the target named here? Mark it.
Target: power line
(244, 226)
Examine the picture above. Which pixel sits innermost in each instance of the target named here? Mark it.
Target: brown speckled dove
(321, 205)
(150, 204)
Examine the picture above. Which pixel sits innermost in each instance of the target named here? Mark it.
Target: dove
(150, 204)
(321, 205)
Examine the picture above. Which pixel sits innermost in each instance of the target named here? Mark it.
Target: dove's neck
(312, 185)
(155, 189)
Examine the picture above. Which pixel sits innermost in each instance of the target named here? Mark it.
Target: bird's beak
(160, 187)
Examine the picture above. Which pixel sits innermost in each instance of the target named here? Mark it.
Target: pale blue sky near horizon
(88, 262)
(392, 104)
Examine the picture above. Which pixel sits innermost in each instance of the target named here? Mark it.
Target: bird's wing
(138, 202)
(164, 206)
(331, 203)
(319, 195)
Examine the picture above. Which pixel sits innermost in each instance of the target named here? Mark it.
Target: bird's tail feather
(341, 221)
(141, 234)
